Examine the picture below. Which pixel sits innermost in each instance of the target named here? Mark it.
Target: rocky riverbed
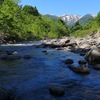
(44, 69)
(76, 45)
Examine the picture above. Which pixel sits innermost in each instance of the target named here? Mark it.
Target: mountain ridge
(71, 19)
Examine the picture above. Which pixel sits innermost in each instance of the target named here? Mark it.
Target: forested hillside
(90, 27)
(85, 19)
(26, 23)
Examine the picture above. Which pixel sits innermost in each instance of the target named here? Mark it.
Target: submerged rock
(9, 57)
(56, 90)
(1, 50)
(82, 54)
(69, 61)
(27, 57)
(3, 94)
(81, 62)
(44, 50)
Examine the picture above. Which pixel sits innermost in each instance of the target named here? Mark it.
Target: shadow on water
(31, 77)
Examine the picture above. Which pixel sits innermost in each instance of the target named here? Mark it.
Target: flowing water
(28, 79)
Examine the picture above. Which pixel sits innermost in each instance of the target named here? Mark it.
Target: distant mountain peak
(71, 15)
(94, 15)
(70, 19)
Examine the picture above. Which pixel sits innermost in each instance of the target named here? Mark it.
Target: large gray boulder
(93, 56)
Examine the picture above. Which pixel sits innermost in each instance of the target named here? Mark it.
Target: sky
(61, 7)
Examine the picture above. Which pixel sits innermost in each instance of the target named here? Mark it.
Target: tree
(9, 17)
(30, 10)
(76, 27)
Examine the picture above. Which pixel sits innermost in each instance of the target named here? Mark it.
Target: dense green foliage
(90, 27)
(26, 23)
(52, 17)
(30, 10)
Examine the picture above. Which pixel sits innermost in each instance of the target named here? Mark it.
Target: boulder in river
(82, 62)
(69, 61)
(93, 56)
(83, 69)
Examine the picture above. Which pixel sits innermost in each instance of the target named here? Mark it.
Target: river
(28, 79)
